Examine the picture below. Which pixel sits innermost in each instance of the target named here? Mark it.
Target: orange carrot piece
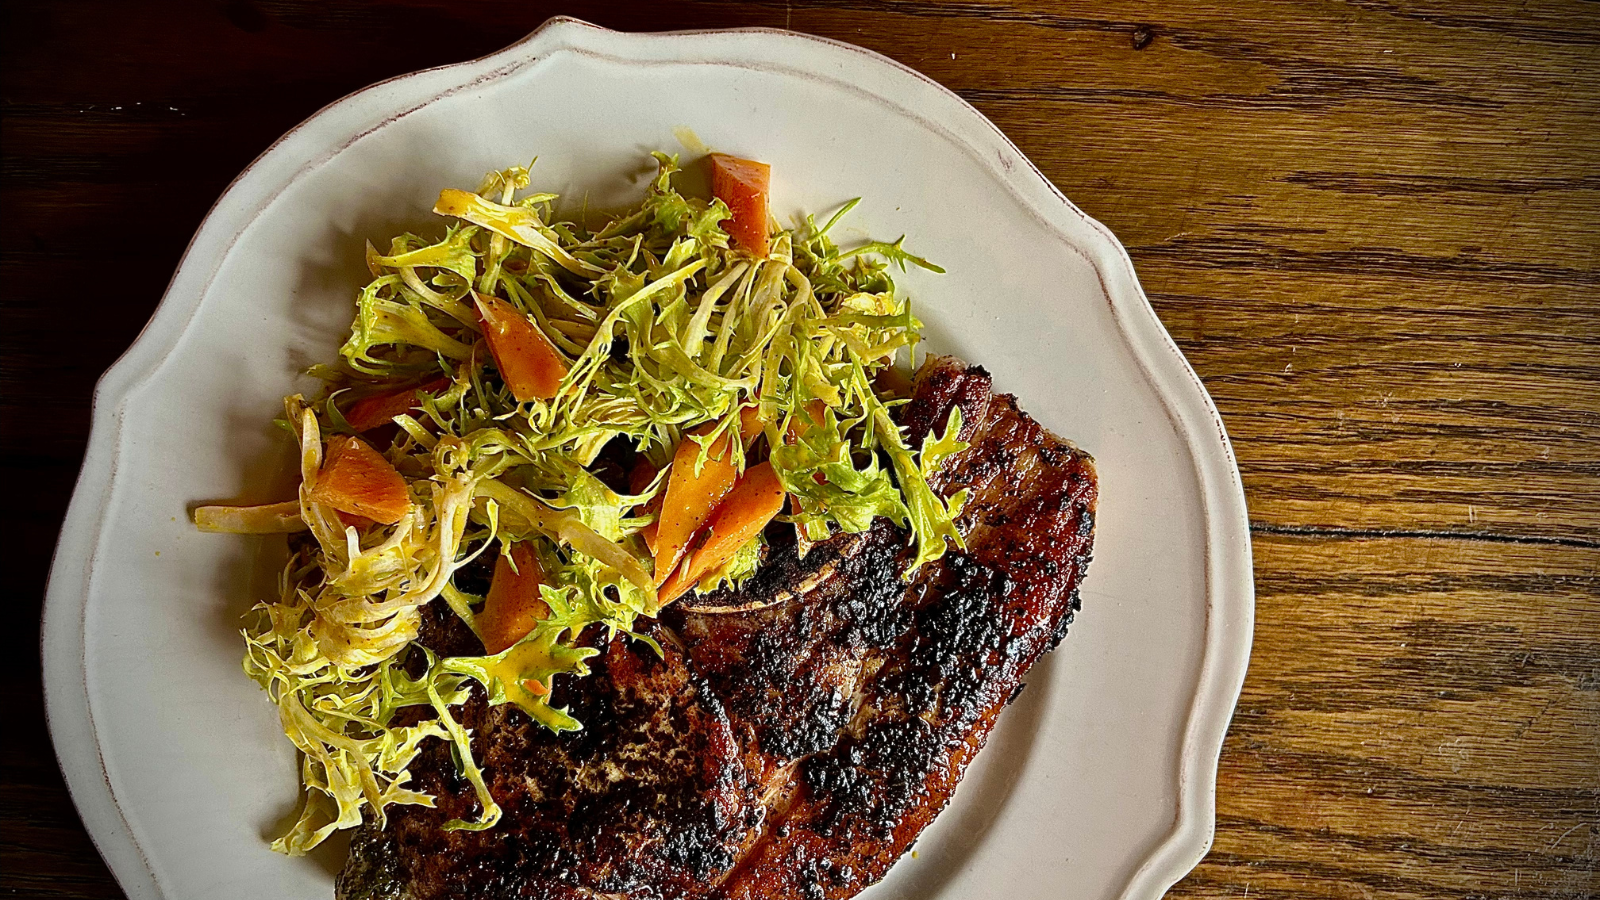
(514, 604)
(752, 503)
(676, 585)
(751, 423)
(356, 479)
(351, 519)
(691, 498)
(807, 417)
(529, 364)
(650, 533)
(743, 185)
(380, 409)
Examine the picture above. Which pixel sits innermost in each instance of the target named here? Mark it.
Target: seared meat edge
(796, 748)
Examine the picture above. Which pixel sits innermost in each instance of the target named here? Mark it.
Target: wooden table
(1372, 226)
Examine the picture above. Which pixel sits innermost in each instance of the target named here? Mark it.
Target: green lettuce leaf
(542, 654)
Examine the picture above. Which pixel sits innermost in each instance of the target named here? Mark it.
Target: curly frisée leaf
(441, 701)
(829, 487)
(353, 764)
(273, 518)
(402, 326)
(932, 519)
(517, 223)
(521, 674)
(566, 527)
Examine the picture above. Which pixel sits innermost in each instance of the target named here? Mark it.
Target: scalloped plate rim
(1229, 577)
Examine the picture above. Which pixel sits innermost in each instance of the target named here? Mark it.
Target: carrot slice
(743, 185)
(514, 604)
(352, 519)
(356, 479)
(675, 586)
(752, 503)
(750, 423)
(810, 416)
(691, 498)
(529, 364)
(380, 409)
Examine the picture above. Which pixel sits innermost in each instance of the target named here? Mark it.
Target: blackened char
(867, 697)
(651, 800)
(803, 730)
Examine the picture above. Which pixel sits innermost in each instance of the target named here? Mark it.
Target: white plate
(1099, 782)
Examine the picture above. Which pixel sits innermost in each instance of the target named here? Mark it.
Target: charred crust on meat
(873, 610)
(651, 799)
(374, 869)
(866, 785)
(799, 732)
(942, 384)
(1016, 693)
(958, 640)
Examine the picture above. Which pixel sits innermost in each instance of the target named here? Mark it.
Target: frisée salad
(611, 414)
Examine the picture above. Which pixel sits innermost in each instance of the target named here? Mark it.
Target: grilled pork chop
(798, 733)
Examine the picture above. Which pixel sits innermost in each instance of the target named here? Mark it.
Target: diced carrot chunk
(356, 479)
(751, 422)
(352, 519)
(807, 417)
(752, 503)
(691, 498)
(380, 409)
(743, 185)
(514, 604)
(529, 364)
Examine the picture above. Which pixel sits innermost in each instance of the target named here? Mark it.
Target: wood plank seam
(1335, 532)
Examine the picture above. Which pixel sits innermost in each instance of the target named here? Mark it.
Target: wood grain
(1373, 227)
(1421, 719)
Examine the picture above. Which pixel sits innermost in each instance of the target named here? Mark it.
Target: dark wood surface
(1372, 226)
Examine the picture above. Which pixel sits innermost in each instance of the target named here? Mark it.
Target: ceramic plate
(1099, 781)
